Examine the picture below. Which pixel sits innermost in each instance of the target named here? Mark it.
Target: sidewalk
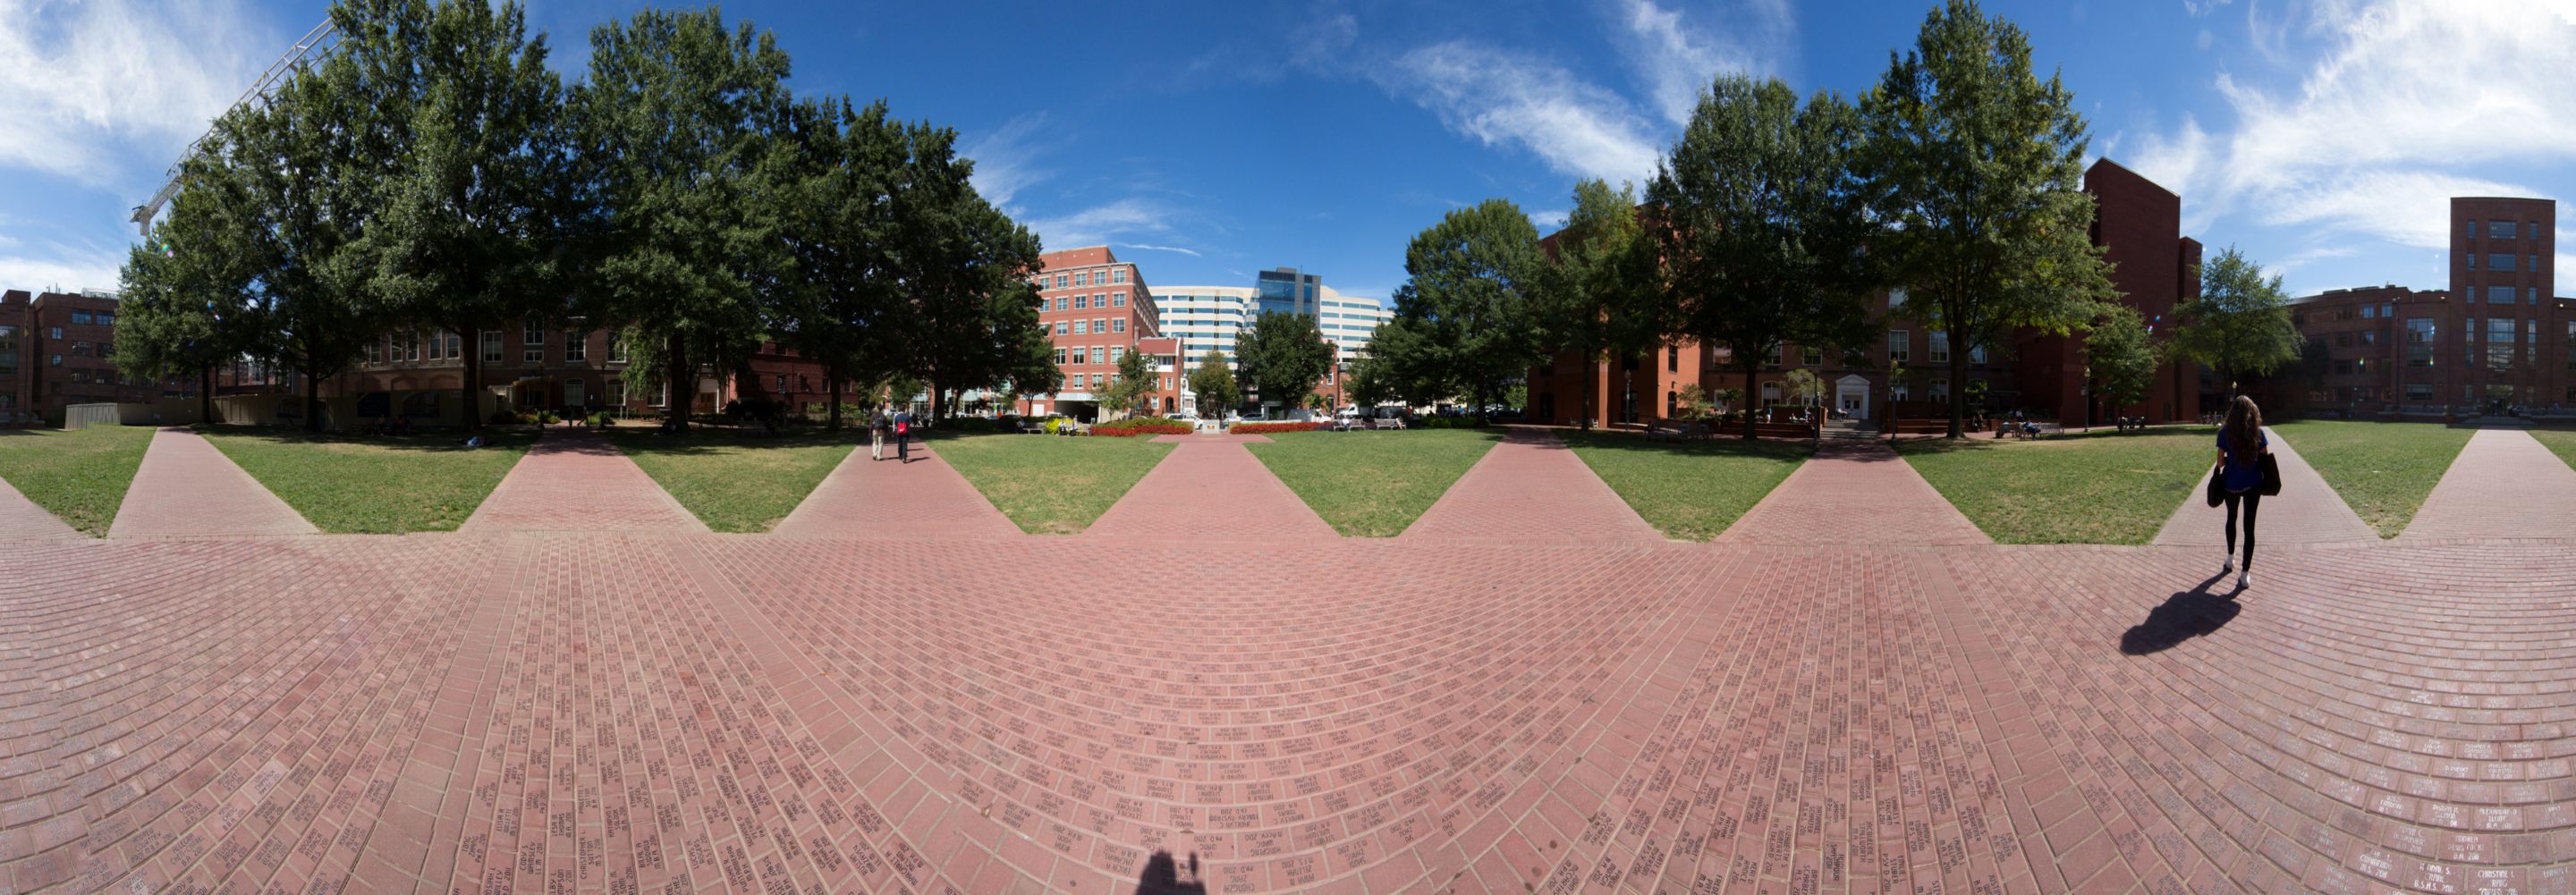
(573, 480)
(2307, 511)
(1210, 489)
(1532, 488)
(188, 489)
(2504, 484)
(1851, 493)
(925, 498)
(21, 518)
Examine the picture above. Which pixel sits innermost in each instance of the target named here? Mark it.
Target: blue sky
(1209, 140)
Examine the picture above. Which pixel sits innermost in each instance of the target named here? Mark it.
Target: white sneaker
(2244, 580)
(2229, 565)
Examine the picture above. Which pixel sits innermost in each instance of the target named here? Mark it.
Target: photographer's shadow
(2183, 616)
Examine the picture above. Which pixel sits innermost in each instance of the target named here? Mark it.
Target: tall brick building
(2155, 267)
(2495, 338)
(1096, 309)
(59, 349)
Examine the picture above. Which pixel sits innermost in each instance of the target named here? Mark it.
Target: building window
(1120, 274)
(1895, 299)
(1940, 353)
(1062, 303)
(1118, 299)
(2473, 264)
(1082, 327)
(2499, 230)
(374, 352)
(1095, 380)
(57, 361)
(491, 346)
(1116, 352)
(1059, 356)
(1811, 357)
(1771, 392)
(616, 348)
(2419, 392)
(1099, 325)
(80, 318)
(107, 319)
(1941, 390)
(1060, 281)
(1672, 362)
(2531, 295)
(80, 349)
(1060, 327)
(58, 333)
(616, 391)
(1081, 302)
(1097, 356)
(2499, 295)
(2369, 337)
(576, 347)
(2499, 261)
(1118, 325)
(782, 384)
(1896, 346)
(455, 346)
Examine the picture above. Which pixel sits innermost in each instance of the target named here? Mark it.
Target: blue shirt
(2243, 473)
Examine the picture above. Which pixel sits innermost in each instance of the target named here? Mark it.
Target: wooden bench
(1676, 430)
(1918, 427)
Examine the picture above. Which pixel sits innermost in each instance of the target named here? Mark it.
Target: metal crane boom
(313, 45)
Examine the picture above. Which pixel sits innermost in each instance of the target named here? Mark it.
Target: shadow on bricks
(2183, 616)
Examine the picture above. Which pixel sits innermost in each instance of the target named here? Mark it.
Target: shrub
(1141, 425)
(1267, 428)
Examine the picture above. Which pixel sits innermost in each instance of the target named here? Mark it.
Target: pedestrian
(877, 433)
(2241, 446)
(903, 436)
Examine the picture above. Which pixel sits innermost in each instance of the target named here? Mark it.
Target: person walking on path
(903, 436)
(876, 435)
(2241, 446)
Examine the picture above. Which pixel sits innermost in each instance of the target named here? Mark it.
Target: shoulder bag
(2271, 475)
(2217, 484)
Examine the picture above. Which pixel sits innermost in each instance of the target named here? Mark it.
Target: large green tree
(1128, 388)
(1763, 227)
(174, 317)
(679, 138)
(843, 307)
(2239, 324)
(1213, 382)
(1601, 295)
(2120, 357)
(1976, 167)
(963, 264)
(1281, 357)
(1466, 319)
(465, 126)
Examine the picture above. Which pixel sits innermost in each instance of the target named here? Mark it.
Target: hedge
(1267, 428)
(1141, 425)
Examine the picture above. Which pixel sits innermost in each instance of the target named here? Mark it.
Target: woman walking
(2241, 446)
(877, 429)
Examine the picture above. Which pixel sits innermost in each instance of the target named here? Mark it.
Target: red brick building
(1096, 311)
(59, 349)
(2156, 267)
(2496, 338)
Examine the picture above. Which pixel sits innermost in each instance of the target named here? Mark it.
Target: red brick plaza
(1854, 691)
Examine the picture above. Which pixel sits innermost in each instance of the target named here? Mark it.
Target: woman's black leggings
(2253, 500)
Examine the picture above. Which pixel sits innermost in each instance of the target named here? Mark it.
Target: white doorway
(1851, 394)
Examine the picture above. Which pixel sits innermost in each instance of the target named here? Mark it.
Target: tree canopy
(1975, 166)
(1281, 357)
(1601, 293)
(1212, 381)
(2239, 324)
(2120, 357)
(1465, 321)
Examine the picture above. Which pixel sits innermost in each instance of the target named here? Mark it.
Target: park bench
(1676, 430)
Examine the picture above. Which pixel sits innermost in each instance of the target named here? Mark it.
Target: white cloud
(1098, 224)
(1150, 248)
(2372, 139)
(1549, 217)
(66, 270)
(1498, 97)
(80, 76)
(2199, 8)
(1005, 159)
(1677, 61)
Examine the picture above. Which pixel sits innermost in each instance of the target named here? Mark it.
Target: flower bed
(1141, 425)
(1268, 428)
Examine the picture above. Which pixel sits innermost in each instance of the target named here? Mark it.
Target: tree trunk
(680, 381)
(1752, 368)
(312, 400)
(472, 384)
(834, 374)
(1591, 384)
(206, 394)
(1959, 379)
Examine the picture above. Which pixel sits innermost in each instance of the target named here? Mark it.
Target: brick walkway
(868, 498)
(1854, 492)
(2307, 511)
(22, 518)
(188, 489)
(1532, 488)
(2504, 484)
(574, 480)
(580, 711)
(1210, 487)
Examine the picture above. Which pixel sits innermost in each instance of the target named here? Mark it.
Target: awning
(1073, 396)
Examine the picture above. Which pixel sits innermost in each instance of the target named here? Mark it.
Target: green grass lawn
(2101, 487)
(1688, 490)
(79, 476)
(374, 484)
(1050, 485)
(2559, 441)
(733, 479)
(2383, 470)
(1372, 484)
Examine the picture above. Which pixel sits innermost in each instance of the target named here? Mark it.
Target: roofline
(2133, 172)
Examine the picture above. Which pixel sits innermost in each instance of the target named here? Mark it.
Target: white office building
(1208, 317)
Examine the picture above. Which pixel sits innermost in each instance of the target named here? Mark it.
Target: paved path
(1210, 489)
(1854, 492)
(2307, 511)
(574, 480)
(188, 489)
(865, 497)
(1532, 488)
(2504, 484)
(22, 518)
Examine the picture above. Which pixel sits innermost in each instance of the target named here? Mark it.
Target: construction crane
(313, 45)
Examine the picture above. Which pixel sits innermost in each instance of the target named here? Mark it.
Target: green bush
(1142, 425)
(1267, 428)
